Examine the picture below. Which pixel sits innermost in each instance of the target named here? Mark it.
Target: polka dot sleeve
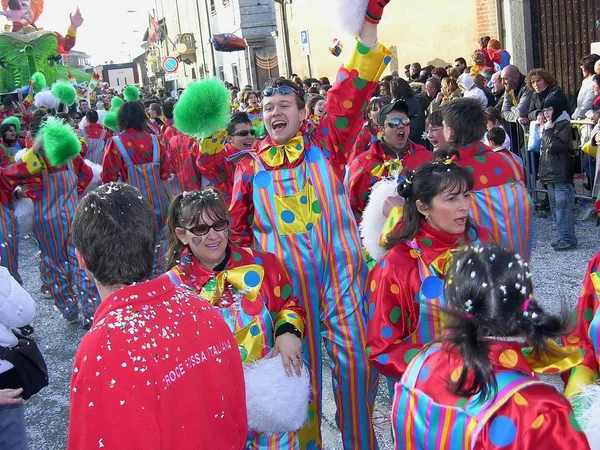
(347, 101)
(112, 164)
(391, 315)
(358, 186)
(582, 316)
(535, 416)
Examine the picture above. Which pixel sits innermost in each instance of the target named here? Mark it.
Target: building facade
(190, 26)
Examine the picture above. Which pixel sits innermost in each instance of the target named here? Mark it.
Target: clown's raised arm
(66, 43)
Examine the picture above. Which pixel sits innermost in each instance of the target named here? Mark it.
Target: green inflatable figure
(25, 52)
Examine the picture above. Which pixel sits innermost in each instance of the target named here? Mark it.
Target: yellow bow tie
(394, 167)
(247, 280)
(275, 157)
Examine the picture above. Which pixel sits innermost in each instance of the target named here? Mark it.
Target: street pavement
(557, 277)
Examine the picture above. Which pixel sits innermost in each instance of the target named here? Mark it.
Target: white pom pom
(276, 403)
(373, 220)
(19, 155)
(589, 420)
(46, 99)
(351, 15)
(24, 215)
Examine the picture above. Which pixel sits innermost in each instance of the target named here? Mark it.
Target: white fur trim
(276, 403)
(20, 153)
(97, 179)
(373, 220)
(350, 15)
(590, 419)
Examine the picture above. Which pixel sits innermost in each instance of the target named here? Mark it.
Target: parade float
(26, 50)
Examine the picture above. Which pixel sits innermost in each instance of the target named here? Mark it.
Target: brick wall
(487, 18)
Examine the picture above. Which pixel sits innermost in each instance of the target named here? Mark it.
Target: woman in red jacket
(251, 289)
(405, 286)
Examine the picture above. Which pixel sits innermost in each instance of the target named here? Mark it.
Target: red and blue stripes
(95, 146)
(9, 248)
(328, 270)
(146, 178)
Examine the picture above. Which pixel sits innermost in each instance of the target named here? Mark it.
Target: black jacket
(549, 95)
(557, 156)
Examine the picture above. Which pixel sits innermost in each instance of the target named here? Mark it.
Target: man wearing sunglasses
(289, 199)
(213, 163)
(393, 155)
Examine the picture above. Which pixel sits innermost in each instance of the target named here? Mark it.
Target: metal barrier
(519, 137)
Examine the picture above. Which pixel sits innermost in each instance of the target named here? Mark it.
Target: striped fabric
(9, 249)
(95, 147)
(507, 212)
(146, 178)
(303, 216)
(59, 270)
(419, 423)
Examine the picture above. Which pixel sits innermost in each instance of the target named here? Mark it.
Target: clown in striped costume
(289, 199)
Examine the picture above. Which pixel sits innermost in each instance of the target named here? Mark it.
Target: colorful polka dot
(428, 242)
(359, 83)
(480, 158)
(252, 279)
(371, 310)
(237, 257)
(262, 179)
(588, 314)
(341, 123)
(383, 359)
(410, 354)
(309, 226)
(498, 171)
(456, 373)
(303, 200)
(277, 291)
(286, 292)
(347, 104)
(508, 359)
(373, 285)
(432, 287)
(316, 207)
(395, 314)
(254, 330)
(483, 179)
(461, 403)
(503, 431)
(386, 332)
(394, 289)
(243, 353)
(539, 420)
(520, 400)
(288, 216)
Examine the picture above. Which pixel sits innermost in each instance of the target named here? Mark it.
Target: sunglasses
(203, 229)
(395, 123)
(244, 133)
(283, 90)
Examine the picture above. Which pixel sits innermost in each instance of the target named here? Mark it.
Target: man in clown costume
(289, 199)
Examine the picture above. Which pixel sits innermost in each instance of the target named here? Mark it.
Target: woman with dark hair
(476, 376)
(439, 72)
(315, 108)
(585, 97)
(405, 287)
(138, 158)
(368, 133)
(250, 288)
(544, 88)
(252, 101)
(401, 90)
(10, 141)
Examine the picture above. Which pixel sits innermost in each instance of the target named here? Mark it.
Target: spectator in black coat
(545, 91)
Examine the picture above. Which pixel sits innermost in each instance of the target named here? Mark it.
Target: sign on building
(170, 64)
(305, 42)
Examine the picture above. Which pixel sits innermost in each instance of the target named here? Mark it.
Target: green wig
(39, 82)
(60, 142)
(110, 121)
(116, 103)
(131, 94)
(203, 108)
(64, 92)
(12, 120)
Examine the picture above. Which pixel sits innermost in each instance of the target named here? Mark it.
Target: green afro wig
(64, 92)
(39, 82)
(60, 142)
(131, 94)
(203, 108)
(110, 121)
(116, 103)
(12, 120)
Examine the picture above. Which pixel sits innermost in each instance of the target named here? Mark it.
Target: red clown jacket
(159, 369)
(366, 170)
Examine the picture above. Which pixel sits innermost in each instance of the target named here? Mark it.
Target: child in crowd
(498, 141)
(476, 376)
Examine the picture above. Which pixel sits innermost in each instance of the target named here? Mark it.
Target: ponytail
(174, 245)
(538, 326)
(464, 334)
